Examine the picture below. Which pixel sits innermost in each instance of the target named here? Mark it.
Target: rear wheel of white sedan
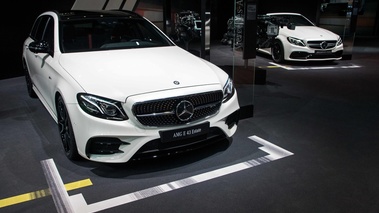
(277, 52)
(66, 131)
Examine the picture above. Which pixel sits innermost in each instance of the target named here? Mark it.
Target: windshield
(109, 33)
(297, 20)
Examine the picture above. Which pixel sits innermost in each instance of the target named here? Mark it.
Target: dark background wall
(17, 23)
(222, 10)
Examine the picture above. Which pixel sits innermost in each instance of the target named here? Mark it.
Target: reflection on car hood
(118, 74)
(309, 33)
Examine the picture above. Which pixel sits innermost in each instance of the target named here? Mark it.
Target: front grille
(322, 44)
(162, 112)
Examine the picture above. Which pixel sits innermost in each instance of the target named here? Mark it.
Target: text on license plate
(184, 133)
(323, 52)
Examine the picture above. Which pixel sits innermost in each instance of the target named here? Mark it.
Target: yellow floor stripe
(41, 193)
(273, 66)
(78, 184)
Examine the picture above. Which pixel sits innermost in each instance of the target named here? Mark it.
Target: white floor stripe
(274, 153)
(281, 66)
(56, 186)
(353, 66)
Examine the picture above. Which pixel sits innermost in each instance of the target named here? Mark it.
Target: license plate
(323, 52)
(184, 133)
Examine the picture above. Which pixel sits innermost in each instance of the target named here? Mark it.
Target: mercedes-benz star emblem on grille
(184, 110)
(324, 45)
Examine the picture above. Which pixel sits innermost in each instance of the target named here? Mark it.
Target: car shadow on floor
(301, 63)
(163, 163)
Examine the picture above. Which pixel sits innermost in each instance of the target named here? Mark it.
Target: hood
(118, 74)
(309, 33)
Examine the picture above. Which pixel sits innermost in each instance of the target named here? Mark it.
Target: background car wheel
(29, 83)
(66, 131)
(277, 52)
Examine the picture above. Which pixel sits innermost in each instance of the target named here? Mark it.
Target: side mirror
(39, 47)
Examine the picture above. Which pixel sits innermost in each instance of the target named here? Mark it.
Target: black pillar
(205, 29)
(167, 17)
(250, 29)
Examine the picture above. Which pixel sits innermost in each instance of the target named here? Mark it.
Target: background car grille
(319, 44)
(162, 112)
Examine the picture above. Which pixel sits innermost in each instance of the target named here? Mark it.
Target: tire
(29, 83)
(277, 52)
(66, 131)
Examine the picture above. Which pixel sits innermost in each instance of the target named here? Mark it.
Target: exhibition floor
(311, 146)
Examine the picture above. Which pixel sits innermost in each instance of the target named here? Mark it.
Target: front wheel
(277, 52)
(66, 131)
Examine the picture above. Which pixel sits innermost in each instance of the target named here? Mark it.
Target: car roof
(84, 14)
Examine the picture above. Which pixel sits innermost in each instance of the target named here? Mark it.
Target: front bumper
(301, 55)
(296, 53)
(119, 141)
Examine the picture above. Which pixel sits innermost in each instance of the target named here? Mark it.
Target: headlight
(296, 41)
(339, 41)
(101, 107)
(228, 90)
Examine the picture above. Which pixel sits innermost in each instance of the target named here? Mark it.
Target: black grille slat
(161, 112)
(148, 108)
(204, 112)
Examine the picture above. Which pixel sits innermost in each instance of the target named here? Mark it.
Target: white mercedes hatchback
(120, 89)
(301, 40)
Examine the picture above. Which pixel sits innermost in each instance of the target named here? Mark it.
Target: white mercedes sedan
(301, 40)
(120, 89)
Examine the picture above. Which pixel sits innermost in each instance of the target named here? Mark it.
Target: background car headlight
(101, 107)
(296, 41)
(228, 90)
(339, 41)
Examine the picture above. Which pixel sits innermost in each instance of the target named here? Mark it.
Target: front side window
(39, 27)
(109, 33)
(49, 33)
